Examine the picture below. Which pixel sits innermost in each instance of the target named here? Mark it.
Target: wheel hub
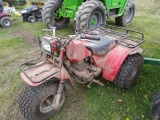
(134, 72)
(128, 14)
(46, 105)
(7, 23)
(95, 20)
(32, 20)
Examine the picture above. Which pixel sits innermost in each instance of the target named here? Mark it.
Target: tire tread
(127, 66)
(30, 95)
(84, 11)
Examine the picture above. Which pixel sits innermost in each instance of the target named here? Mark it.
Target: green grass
(18, 44)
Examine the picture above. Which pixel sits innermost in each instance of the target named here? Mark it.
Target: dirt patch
(26, 35)
(9, 107)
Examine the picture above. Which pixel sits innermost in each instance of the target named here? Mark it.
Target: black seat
(100, 47)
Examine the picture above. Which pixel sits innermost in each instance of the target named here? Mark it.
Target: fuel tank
(76, 51)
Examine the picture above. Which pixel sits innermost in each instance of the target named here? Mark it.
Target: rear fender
(115, 59)
(139, 50)
(63, 74)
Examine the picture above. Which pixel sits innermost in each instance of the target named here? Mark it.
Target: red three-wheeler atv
(114, 52)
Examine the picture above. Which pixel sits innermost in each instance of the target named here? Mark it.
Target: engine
(85, 70)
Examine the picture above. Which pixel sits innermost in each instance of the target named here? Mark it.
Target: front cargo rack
(125, 37)
(48, 64)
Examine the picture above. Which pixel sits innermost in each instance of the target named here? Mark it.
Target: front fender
(63, 74)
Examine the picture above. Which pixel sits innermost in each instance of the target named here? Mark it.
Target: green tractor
(87, 14)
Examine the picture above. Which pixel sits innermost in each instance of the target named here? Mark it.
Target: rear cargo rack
(125, 37)
(31, 77)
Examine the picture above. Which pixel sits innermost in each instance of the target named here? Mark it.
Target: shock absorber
(57, 98)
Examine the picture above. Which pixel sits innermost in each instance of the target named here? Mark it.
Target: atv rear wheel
(90, 14)
(129, 71)
(35, 103)
(5, 22)
(49, 15)
(155, 108)
(128, 14)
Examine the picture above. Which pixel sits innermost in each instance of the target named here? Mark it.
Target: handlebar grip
(90, 37)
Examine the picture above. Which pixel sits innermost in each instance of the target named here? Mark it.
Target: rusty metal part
(81, 66)
(85, 70)
(85, 75)
(95, 81)
(98, 82)
(57, 98)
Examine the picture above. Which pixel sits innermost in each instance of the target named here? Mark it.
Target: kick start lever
(95, 81)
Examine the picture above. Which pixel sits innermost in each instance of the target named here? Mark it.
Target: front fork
(57, 98)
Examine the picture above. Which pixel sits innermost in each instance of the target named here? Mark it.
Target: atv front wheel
(155, 108)
(49, 15)
(90, 14)
(35, 103)
(129, 71)
(5, 22)
(128, 14)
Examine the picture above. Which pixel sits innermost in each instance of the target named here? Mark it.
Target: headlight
(45, 44)
(23, 11)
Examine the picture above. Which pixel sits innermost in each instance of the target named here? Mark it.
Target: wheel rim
(6, 4)
(129, 14)
(134, 72)
(32, 20)
(7, 23)
(95, 20)
(46, 105)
